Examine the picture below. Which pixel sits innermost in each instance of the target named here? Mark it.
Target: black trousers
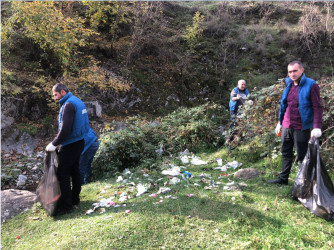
(291, 138)
(68, 169)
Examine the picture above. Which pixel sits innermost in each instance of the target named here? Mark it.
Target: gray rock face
(247, 173)
(21, 142)
(94, 109)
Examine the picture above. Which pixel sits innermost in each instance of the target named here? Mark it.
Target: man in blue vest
(237, 99)
(87, 156)
(300, 117)
(73, 125)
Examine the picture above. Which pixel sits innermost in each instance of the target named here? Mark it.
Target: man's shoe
(278, 181)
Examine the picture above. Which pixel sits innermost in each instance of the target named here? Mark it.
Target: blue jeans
(86, 160)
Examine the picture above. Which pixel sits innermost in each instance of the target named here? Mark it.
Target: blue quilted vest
(80, 123)
(233, 104)
(304, 100)
(90, 138)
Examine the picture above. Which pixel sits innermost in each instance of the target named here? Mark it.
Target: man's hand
(50, 147)
(316, 132)
(278, 129)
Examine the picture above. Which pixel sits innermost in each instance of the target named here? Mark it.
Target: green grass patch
(256, 216)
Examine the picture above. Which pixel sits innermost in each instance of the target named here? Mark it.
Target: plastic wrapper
(313, 186)
(48, 190)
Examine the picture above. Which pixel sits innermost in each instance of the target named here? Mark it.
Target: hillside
(152, 57)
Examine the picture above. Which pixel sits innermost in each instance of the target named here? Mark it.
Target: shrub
(136, 145)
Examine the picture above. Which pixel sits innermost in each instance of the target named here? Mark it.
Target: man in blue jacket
(73, 126)
(87, 156)
(300, 117)
(237, 99)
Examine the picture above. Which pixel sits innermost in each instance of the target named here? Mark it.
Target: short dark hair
(59, 87)
(296, 62)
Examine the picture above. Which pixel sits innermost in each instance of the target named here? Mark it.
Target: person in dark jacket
(73, 126)
(87, 156)
(237, 99)
(300, 117)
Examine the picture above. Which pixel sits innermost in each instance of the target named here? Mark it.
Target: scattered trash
(190, 195)
(127, 211)
(220, 161)
(197, 185)
(222, 168)
(233, 164)
(102, 210)
(187, 174)
(17, 237)
(141, 189)
(123, 197)
(185, 159)
(174, 181)
(174, 171)
(90, 211)
(160, 150)
(34, 218)
(146, 175)
(164, 190)
(154, 195)
(197, 161)
(127, 171)
(119, 179)
(185, 152)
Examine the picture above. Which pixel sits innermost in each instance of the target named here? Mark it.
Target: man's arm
(66, 124)
(234, 96)
(317, 106)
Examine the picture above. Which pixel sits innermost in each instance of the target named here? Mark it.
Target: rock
(94, 109)
(246, 173)
(15, 201)
(19, 141)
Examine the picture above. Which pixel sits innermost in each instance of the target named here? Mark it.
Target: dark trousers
(291, 138)
(68, 169)
(86, 160)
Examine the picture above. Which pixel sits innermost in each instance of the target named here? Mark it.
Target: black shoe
(278, 181)
(60, 212)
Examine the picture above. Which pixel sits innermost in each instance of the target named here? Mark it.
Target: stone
(94, 109)
(15, 201)
(246, 173)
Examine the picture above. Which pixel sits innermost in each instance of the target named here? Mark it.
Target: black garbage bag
(313, 186)
(48, 190)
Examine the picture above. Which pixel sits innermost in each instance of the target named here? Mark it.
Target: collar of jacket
(301, 82)
(64, 99)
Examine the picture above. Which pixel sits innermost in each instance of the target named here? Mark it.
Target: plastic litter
(119, 179)
(174, 171)
(185, 152)
(187, 174)
(127, 211)
(154, 195)
(222, 168)
(185, 159)
(197, 161)
(233, 164)
(313, 186)
(190, 195)
(174, 181)
(164, 190)
(141, 189)
(220, 161)
(160, 150)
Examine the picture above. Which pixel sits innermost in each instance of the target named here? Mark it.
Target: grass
(257, 216)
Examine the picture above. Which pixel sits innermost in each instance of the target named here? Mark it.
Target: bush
(137, 145)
